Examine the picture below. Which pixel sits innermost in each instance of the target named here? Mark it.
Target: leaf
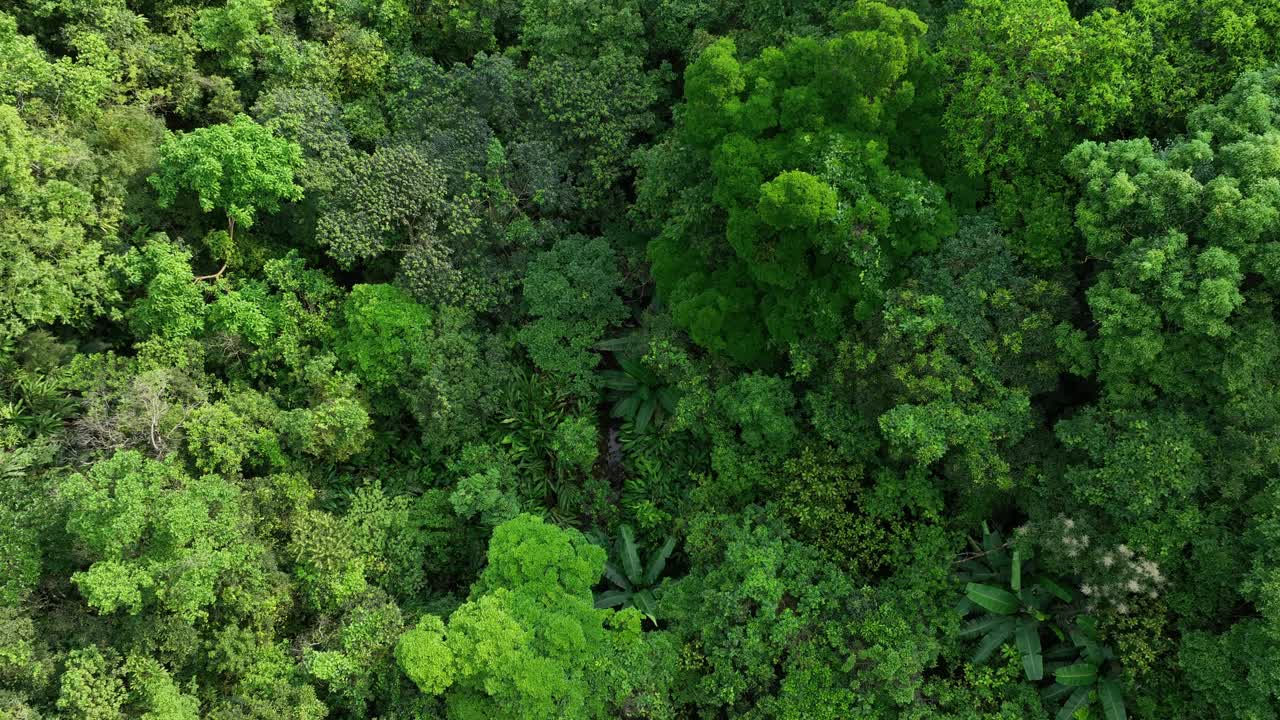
(630, 557)
(992, 599)
(1028, 637)
(615, 576)
(667, 397)
(1015, 572)
(1078, 699)
(658, 561)
(991, 540)
(614, 345)
(1028, 640)
(1112, 700)
(645, 414)
(612, 598)
(626, 407)
(645, 603)
(1078, 675)
(1033, 666)
(982, 625)
(1057, 590)
(1054, 693)
(993, 640)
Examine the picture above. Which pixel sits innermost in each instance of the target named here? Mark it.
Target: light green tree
(239, 167)
(529, 642)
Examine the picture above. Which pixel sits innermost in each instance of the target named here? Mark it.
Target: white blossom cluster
(1113, 577)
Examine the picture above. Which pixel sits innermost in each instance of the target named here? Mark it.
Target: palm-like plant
(633, 582)
(1014, 601)
(640, 396)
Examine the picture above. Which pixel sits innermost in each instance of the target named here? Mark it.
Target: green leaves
(571, 291)
(1028, 639)
(1078, 660)
(240, 167)
(635, 582)
(805, 211)
(1112, 700)
(627, 551)
(997, 634)
(992, 599)
(1077, 675)
(658, 561)
(528, 642)
(642, 396)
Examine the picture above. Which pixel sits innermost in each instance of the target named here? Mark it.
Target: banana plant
(633, 582)
(640, 396)
(1085, 671)
(1013, 600)
(1016, 599)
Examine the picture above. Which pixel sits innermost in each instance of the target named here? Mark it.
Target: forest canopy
(644, 359)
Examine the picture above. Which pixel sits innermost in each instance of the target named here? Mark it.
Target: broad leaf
(993, 640)
(1015, 572)
(992, 599)
(615, 576)
(626, 407)
(645, 414)
(1078, 699)
(1028, 640)
(1054, 693)
(629, 554)
(1078, 675)
(982, 625)
(658, 561)
(667, 397)
(1112, 700)
(646, 604)
(1057, 590)
(612, 598)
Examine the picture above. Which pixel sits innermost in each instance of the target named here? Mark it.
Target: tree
(791, 233)
(758, 610)
(955, 357)
(1182, 228)
(239, 167)
(51, 265)
(1199, 49)
(1028, 81)
(159, 540)
(528, 642)
(571, 292)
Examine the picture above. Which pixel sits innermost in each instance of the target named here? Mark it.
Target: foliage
(641, 396)
(51, 231)
(528, 642)
(571, 293)
(792, 233)
(1030, 80)
(805, 290)
(634, 579)
(156, 538)
(1083, 669)
(239, 167)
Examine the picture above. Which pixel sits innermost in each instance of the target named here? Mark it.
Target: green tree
(239, 167)
(528, 642)
(758, 613)
(159, 540)
(571, 292)
(811, 205)
(51, 232)
(1027, 82)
